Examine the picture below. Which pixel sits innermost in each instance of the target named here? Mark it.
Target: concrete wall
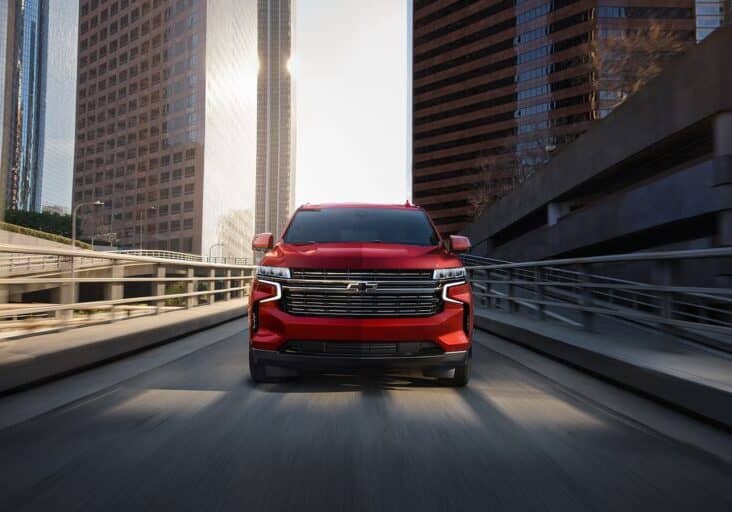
(685, 194)
(7, 237)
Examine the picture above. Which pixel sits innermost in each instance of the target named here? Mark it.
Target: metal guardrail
(567, 290)
(120, 278)
(27, 264)
(184, 256)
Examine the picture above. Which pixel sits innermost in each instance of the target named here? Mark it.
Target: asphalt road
(193, 433)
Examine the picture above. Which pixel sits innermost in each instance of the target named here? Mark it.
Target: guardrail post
(667, 273)
(66, 292)
(212, 285)
(510, 291)
(191, 301)
(159, 288)
(541, 307)
(115, 290)
(244, 283)
(490, 300)
(486, 287)
(227, 284)
(588, 317)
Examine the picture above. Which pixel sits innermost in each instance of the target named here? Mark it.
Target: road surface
(191, 432)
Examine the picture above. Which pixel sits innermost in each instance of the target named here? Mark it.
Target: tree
(48, 222)
(622, 64)
(629, 59)
(499, 176)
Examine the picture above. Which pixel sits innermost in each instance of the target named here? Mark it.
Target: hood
(363, 256)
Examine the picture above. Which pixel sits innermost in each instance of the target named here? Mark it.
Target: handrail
(618, 258)
(173, 284)
(693, 312)
(7, 248)
(173, 255)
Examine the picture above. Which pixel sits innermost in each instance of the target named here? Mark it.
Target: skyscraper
(166, 121)
(499, 85)
(37, 53)
(26, 79)
(6, 30)
(275, 117)
(60, 105)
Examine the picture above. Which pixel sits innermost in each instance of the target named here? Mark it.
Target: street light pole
(217, 244)
(73, 219)
(73, 246)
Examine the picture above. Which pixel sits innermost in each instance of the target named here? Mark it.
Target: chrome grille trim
(396, 294)
(362, 275)
(343, 291)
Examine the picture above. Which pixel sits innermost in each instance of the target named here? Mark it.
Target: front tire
(461, 376)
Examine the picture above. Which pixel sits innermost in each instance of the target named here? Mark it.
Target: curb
(697, 398)
(23, 372)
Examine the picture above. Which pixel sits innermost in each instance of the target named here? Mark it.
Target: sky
(350, 71)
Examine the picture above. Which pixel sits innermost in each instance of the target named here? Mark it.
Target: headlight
(273, 272)
(449, 273)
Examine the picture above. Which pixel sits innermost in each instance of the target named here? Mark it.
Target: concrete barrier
(709, 398)
(30, 361)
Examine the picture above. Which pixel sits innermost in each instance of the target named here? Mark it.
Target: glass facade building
(26, 79)
(6, 9)
(275, 117)
(710, 14)
(229, 151)
(60, 106)
(498, 85)
(38, 55)
(166, 122)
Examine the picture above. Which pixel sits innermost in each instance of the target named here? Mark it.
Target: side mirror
(263, 242)
(459, 243)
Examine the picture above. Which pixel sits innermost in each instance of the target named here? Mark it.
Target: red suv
(359, 285)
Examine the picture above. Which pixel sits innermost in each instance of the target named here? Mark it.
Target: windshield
(380, 225)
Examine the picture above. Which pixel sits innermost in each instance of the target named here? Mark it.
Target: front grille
(361, 294)
(364, 275)
(365, 349)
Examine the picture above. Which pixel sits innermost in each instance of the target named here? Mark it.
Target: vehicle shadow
(363, 381)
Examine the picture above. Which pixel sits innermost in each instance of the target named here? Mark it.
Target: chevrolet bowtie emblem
(361, 287)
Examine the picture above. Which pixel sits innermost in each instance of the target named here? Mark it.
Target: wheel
(462, 373)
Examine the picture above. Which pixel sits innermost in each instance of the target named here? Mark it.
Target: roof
(320, 206)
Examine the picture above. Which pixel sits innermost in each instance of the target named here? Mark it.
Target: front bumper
(339, 362)
(276, 327)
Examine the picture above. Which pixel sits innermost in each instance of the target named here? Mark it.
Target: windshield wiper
(309, 242)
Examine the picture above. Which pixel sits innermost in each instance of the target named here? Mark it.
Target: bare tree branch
(498, 176)
(625, 63)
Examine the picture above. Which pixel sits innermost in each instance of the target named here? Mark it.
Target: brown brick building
(166, 121)
(499, 85)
